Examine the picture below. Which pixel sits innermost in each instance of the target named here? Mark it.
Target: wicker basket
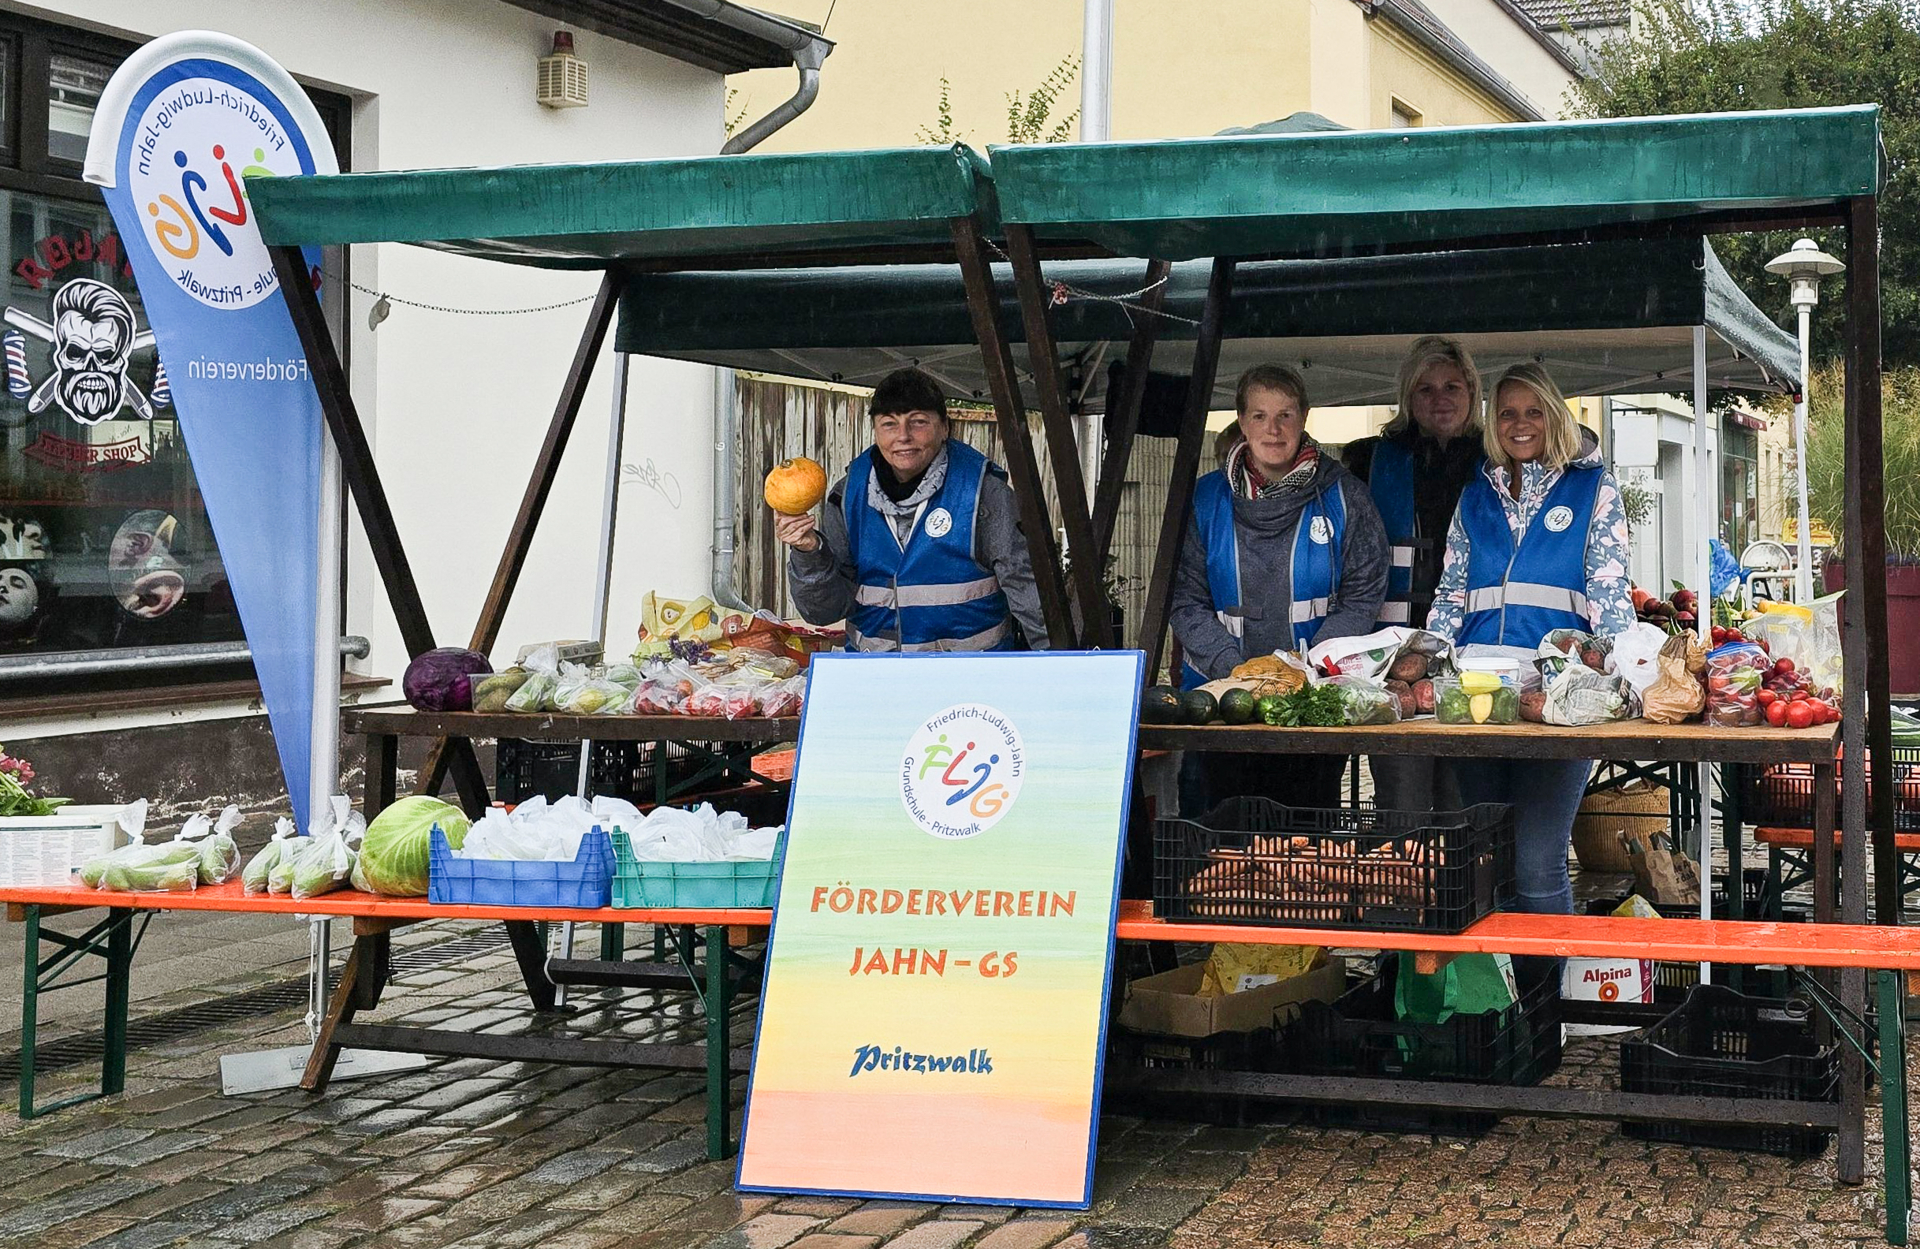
(1637, 805)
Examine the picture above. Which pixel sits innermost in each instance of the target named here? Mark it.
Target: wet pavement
(486, 1153)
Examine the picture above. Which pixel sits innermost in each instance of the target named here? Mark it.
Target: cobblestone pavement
(483, 1153)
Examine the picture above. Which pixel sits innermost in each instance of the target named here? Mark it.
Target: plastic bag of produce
(594, 696)
(1367, 656)
(323, 866)
(1421, 655)
(1575, 646)
(1734, 673)
(543, 675)
(219, 856)
(393, 855)
(1636, 654)
(1368, 701)
(169, 867)
(337, 817)
(783, 698)
(253, 877)
(1675, 694)
(490, 693)
(733, 696)
(1579, 695)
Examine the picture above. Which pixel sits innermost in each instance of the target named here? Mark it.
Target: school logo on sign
(195, 143)
(962, 770)
(1559, 518)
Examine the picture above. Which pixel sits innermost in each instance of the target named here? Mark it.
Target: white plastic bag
(1635, 651)
(1369, 656)
(219, 855)
(253, 877)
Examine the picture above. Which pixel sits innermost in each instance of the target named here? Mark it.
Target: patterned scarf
(1249, 483)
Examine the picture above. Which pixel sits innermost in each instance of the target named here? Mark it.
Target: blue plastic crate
(585, 882)
(703, 886)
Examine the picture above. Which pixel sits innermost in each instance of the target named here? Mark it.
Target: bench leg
(530, 951)
(29, 1011)
(613, 942)
(361, 983)
(113, 1059)
(1898, 1178)
(719, 1006)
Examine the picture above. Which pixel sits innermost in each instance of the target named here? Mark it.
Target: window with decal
(104, 538)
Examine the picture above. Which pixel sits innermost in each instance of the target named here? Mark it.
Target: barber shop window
(104, 539)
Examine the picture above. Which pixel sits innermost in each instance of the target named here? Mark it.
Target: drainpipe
(808, 51)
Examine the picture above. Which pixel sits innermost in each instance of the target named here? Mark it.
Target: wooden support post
(1868, 737)
(1084, 558)
(363, 481)
(530, 951)
(1186, 461)
(1823, 821)
(546, 466)
(382, 774)
(1123, 409)
(982, 304)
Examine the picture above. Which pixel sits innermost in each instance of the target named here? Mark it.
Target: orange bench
(114, 940)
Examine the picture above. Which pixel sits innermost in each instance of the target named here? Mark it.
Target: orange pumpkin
(795, 486)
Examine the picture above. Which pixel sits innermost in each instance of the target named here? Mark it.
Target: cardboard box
(1170, 1003)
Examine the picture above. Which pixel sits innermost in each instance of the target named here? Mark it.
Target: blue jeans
(1545, 795)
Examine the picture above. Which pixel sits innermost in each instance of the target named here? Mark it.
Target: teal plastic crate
(693, 885)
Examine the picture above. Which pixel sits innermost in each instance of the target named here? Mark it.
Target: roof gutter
(1406, 20)
(809, 51)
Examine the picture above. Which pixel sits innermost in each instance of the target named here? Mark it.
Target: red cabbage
(438, 680)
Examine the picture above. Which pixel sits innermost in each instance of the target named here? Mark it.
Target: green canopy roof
(1336, 193)
(1605, 318)
(588, 216)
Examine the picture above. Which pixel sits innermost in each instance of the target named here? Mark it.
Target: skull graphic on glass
(93, 337)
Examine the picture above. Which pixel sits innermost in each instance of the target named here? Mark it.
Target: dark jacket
(1264, 529)
(1439, 475)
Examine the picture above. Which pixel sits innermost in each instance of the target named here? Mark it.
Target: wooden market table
(728, 745)
(114, 941)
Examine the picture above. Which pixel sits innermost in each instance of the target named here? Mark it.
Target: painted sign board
(935, 1003)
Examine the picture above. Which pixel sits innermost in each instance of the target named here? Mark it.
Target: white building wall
(1498, 38)
(457, 406)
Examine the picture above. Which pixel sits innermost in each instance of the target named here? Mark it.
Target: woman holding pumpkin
(919, 547)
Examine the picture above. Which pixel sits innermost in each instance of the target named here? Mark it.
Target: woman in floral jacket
(1538, 543)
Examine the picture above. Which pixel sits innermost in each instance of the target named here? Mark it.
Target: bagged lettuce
(170, 867)
(253, 877)
(323, 860)
(393, 857)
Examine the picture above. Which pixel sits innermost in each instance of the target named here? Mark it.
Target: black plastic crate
(1358, 1035)
(1720, 1043)
(1255, 861)
(1780, 795)
(1258, 1050)
(625, 770)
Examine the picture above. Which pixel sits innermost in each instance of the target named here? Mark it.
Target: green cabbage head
(393, 858)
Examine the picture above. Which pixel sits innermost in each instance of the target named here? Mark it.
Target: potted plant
(1830, 494)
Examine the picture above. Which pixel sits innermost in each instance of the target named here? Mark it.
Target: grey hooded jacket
(1265, 531)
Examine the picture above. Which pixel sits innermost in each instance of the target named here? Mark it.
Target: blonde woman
(1415, 469)
(1538, 543)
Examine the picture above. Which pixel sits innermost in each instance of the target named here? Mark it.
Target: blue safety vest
(931, 595)
(1390, 478)
(1517, 597)
(1316, 561)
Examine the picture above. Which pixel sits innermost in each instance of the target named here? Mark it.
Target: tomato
(1799, 715)
(1783, 664)
(1776, 714)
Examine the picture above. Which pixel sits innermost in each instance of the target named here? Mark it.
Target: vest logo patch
(940, 522)
(1559, 518)
(1321, 531)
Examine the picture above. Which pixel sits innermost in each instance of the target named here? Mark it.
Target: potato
(1533, 706)
(1408, 668)
(1423, 697)
(1594, 658)
(1403, 692)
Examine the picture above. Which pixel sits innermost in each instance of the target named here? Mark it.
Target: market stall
(1255, 199)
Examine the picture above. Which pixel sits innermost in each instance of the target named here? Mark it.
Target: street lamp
(1803, 265)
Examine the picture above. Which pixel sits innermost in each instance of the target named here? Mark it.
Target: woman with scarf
(1284, 550)
(918, 547)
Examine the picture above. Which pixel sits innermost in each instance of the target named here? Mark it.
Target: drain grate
(90, 1047)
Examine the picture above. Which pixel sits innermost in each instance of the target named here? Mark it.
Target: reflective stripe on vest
(933, 594)
(986, 640)
(1390, 481)
(1515, 597)
(1315, 563)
